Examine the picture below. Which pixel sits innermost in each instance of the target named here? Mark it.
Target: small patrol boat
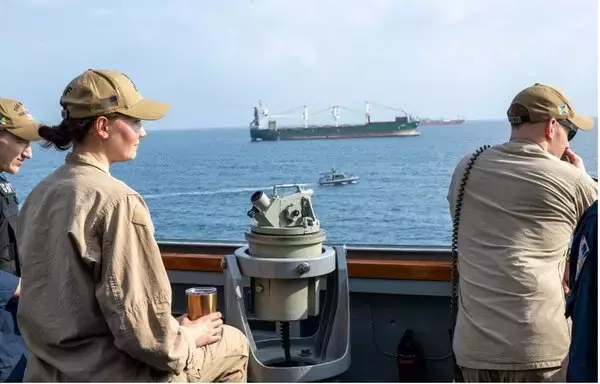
(336, 177)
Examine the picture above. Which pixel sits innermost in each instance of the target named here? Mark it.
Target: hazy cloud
(213, 60)
(102, 12)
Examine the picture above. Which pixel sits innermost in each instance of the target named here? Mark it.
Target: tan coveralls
(520, 207)
(95, 298)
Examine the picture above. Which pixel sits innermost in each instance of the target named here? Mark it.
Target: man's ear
(550, 129)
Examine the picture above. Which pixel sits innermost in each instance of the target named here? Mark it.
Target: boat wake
(214, 192)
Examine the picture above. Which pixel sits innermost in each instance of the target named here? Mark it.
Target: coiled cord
(285, 341)
(454, 251)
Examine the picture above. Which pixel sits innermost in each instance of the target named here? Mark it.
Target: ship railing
(389, 262)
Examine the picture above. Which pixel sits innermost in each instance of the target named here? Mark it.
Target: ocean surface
(198, 183)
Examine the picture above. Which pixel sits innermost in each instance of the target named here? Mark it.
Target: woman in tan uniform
(95, 297)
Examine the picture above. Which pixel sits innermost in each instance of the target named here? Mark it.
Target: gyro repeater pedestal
(288, 266)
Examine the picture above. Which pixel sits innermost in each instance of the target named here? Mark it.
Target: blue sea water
(198, 183)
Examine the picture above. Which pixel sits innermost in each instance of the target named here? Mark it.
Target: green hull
(373, 129)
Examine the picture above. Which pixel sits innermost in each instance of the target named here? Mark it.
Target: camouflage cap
(15, 118)
(543, 103)
(97, 92)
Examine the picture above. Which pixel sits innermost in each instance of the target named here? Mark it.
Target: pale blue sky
(212, 60)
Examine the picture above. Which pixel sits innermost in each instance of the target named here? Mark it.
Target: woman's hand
(207, 329)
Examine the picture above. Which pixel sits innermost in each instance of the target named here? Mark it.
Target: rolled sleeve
(134, 292)
(8, 286)
(454, 185)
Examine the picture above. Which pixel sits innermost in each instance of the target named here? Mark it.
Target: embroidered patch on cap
(563, 109)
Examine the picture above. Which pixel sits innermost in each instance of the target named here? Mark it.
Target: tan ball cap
(97, 92)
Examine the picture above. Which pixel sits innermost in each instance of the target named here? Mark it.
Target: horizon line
(246, 127)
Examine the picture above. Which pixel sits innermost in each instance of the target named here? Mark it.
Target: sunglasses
(570, 127)
(134, 124)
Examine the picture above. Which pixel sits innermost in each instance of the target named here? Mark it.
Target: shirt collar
(77, 158)
(523, 141)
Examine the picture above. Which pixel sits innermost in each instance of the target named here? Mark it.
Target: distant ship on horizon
(441, 121)
(265, 128)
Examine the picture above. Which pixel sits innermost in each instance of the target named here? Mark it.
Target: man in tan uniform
(520, 206)
(17, 130)
(95, 297)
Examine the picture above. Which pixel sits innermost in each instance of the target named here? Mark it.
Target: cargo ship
(265, 128)
(442, 121)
